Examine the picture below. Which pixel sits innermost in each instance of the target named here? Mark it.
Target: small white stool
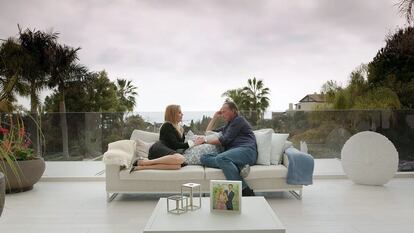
(369, 158)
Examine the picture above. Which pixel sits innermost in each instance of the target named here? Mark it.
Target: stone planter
(30, 171)
(2, 192)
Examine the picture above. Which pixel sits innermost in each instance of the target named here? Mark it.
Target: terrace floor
(332, 204)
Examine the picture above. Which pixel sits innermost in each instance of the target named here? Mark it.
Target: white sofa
(261, 178)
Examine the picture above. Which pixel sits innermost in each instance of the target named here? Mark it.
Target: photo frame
(225, 196)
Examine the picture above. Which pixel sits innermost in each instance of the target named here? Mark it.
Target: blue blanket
(300, 169)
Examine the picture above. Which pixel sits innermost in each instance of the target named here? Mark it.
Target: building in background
(309, 103)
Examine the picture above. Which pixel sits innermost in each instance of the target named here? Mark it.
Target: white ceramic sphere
(369, 158)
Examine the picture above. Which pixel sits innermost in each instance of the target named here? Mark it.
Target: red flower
(4, 131)
(22, 132)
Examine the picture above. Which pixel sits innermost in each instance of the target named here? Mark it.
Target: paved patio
(331, 204)
(328, 206)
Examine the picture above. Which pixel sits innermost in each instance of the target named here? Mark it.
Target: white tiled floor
(330, 205)
(73, 170)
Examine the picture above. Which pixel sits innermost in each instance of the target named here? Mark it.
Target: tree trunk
(35, 123)
(64, 126)
(93, 135)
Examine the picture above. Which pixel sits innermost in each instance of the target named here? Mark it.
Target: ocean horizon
(158, 117)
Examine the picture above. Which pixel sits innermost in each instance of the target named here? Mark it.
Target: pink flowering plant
(15, 144)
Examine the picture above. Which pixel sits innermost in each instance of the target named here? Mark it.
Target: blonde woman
(221, 200)
(163, 154)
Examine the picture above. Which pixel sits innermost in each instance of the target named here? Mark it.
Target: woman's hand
(199, 140)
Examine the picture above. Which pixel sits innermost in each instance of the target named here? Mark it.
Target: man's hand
(217, 114)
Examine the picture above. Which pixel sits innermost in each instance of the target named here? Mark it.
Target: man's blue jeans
(230, 161)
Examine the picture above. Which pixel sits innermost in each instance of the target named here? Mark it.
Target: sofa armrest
(120, 153)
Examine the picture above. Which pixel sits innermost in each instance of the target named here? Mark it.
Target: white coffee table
(256, 216)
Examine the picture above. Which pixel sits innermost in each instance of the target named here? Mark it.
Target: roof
(313, 98)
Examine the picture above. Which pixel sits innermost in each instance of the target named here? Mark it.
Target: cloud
(190, 52)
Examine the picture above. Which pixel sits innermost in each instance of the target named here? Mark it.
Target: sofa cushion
(264, 140)
(256, 172)
(272, 171)
(278, 143)
(190, 172)
(144, 136)
(142, 148)
(288, 144)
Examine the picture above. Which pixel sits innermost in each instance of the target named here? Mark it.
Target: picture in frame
(225, 196)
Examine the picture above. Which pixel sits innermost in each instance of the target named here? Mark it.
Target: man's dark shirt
(237, 133)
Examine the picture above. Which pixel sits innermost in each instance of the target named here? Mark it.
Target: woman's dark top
(170, 141)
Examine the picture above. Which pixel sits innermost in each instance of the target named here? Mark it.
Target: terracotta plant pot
(2, 192)
(30, 171)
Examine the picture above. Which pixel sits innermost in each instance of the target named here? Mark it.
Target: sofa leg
(297, 195)
(110, 197)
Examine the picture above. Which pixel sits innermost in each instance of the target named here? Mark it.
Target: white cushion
(264, 172)
(144, 136)
(288, 144)
(256, 172)
(278, 143)
(263, 139)
(120, 152)
(142, 148)
(185, 173)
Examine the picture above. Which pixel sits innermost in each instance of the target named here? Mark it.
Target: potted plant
(2, 192)
(21, 167)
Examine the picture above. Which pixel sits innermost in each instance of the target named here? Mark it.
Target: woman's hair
(232, 106)
(172, 115)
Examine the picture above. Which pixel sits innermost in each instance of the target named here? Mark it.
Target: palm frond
(406, 9)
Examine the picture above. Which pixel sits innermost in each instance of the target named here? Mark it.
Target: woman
(163, 154)
(221, 200)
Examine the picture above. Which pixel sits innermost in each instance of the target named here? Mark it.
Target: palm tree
(126, 93)
(239, 97)
(406, 7)
(11, 83)
(37, 45)
(257, 96)
(63, 71)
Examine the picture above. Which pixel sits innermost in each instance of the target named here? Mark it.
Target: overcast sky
(190, 52)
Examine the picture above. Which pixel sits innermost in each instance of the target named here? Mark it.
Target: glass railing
(324, 132)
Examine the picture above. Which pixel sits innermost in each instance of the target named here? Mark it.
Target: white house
(309, 103)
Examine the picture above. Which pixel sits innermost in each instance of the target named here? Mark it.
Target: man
(230, 196)
(239, 145)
